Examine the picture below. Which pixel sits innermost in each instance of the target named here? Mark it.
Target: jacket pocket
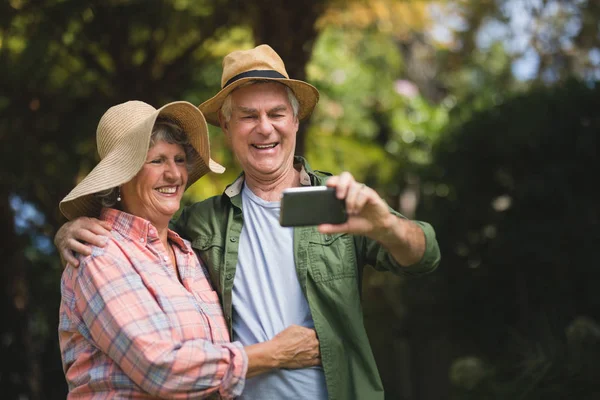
(331, 257)
(210, 250)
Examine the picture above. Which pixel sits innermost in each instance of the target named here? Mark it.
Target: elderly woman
(139, 318)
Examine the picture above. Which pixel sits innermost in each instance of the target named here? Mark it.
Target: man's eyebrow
(250, 110)
(275, 109)
(247, 110)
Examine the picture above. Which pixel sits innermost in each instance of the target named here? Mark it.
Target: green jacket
(329, 269)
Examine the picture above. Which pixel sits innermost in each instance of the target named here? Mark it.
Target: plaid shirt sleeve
(127, 323)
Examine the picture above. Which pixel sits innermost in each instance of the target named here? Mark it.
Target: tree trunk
(289, 28)
(19, 375)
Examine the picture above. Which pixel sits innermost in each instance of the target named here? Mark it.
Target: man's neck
(270, 189)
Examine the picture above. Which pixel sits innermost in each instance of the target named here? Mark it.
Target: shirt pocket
(332, 257)
(212, 312)
(209, 302)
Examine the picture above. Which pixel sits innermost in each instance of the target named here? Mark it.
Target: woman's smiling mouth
(167, 189)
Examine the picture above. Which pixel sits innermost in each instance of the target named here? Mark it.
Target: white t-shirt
(267, 298)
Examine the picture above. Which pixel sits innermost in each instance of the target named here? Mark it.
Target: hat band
(256, 73)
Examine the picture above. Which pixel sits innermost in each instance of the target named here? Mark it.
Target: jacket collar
(300, 164)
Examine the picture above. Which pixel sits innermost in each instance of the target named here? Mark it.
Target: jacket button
(229, 276)
(233, 239)
(327, 238)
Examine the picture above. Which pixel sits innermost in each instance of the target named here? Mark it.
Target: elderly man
(268, 276)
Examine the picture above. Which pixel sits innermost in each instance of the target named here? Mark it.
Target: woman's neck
(163, 234)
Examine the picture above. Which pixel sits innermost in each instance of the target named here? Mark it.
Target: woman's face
(156, 191)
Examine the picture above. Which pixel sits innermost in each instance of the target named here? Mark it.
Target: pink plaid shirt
(130, 329)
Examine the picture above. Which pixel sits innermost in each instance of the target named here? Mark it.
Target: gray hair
(226, 108)
(163, 130)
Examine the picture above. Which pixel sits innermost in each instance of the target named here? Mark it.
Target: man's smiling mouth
(264, 146)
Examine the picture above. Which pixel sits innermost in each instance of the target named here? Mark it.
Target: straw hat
(261, 62)
(123, 139)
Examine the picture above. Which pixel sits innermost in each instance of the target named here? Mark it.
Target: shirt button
(141, 240)
(151, 231)
(165, 258)
(233, 239)
(229, 276)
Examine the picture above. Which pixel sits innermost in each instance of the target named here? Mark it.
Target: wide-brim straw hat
(261, 62)
(123, 140)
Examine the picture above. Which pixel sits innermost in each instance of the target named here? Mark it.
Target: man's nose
(265, 126)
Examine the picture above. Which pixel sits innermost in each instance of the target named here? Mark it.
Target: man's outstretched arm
(370, 216)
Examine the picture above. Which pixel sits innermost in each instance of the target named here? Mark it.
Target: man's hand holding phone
(343, 206)
(368, 214)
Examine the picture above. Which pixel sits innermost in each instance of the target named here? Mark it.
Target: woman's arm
(127, 324)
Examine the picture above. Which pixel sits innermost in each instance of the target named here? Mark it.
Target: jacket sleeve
(372, 253)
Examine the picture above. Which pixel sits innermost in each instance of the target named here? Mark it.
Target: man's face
(262, 130)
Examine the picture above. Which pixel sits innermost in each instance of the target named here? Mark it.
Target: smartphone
(311, 205)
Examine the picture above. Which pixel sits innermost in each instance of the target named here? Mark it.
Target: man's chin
(265, 166)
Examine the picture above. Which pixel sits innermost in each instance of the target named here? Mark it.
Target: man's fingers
(94, 226)
(330, 228)
(355, 193)
(103, 228)
(79, 247)
(67, 257)
(345, 181)
(98, 238)
(332, 181)
(362, 198)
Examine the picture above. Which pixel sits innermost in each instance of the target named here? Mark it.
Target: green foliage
(507, 182)
(517, 227)
(370, 120)
(62, 65)
(355, 71)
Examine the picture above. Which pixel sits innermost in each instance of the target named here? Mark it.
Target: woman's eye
(180, 160)
(156, 161)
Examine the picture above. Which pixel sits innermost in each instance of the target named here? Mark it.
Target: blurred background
(479, 116)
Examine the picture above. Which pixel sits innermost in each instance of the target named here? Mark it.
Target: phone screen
(311, 205)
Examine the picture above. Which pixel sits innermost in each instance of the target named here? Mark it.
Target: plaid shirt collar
(136, 228)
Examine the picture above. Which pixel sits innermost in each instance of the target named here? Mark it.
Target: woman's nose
(173, 170)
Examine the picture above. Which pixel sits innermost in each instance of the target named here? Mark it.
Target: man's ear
(225, 128)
